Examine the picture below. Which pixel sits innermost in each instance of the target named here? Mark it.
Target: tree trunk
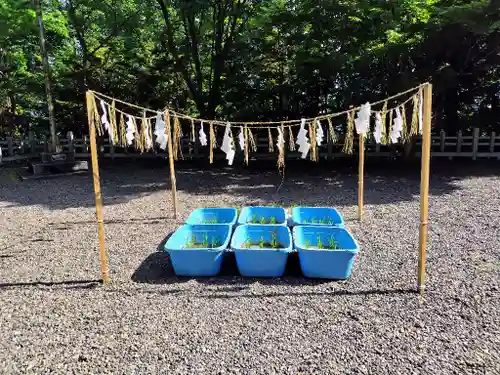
(46, 71)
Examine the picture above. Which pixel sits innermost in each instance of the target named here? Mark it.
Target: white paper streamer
(397, 127)
(203, 136)
(420, 113)
(241, 138)
(161, 138)
(302, 139)
(104, 117)
(130, 130)
(227, 144)
(319, 133)
(378, 128)
(362, 121)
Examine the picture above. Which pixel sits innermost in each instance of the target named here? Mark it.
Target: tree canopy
(250, 59)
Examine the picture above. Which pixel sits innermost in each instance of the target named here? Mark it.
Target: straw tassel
(331, 131)
(177, 139)
(137, 136)
(349, 137)
(383, 116)
(312, 140)
(246, 143)
(291, 143)
(281, 148)
(212, 142)
(123, 132)
(414, 117)
(97, 118)
(404, 134)
(270, 140)
(388, 138)
(193, 134)
(253, 145)
(112, 120)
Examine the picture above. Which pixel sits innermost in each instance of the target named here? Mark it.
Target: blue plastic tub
(262, 215)
(317, 216)
(258, 261)
(324, 263)
(213, 216)
(189, 260)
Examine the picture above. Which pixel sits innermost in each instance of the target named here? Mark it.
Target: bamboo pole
(424, 186)
(103, 256)
(361, 172)
(171, 162)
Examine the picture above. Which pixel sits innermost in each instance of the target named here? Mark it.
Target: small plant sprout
(333, 243)
(262, 220)
(272, 221)
(204, 243)
(313, 220)
(308, 244)
(274, 240)
(254, 219)
(247, 244)
(320, 244)
(261, 243)
(216, 242)
(211, 221)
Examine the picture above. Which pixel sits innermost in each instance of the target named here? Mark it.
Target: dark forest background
(250, 60)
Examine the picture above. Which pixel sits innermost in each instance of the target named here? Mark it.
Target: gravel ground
(55, 317)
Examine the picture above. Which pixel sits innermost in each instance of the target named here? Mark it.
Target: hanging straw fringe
(331, 131)
(123, 132)
(404, 134)
(281, 151)
(143, 133)
(212, 142)
(349, 136)
(390, 127)
(291, 143)
(383, 116)
(193, 135)
(112, 120)
(97, 118)
(270, 140)
(414, 117)
(177, 139)
(137, 136)
(253, 145)
(312, 140)
(245, 133)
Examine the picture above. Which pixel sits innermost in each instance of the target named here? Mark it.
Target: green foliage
(250, 60)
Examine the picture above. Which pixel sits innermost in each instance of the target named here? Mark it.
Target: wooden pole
(171, 162)
(103, 256)
(424, 186)
(361, 175)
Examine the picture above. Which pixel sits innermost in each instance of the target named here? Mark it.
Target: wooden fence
(458, 146)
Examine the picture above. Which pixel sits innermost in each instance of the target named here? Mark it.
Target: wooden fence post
(32, 142)
(459, 142)
(492, 142)
(475, 143)
(10, 146)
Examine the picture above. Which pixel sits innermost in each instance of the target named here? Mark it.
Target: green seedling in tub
(313, 220)
(254, 219)
(320, 244)
(333, 243)
(262, 220)
(205, 240)
(307, 244)
(247, 244)
(325, 220)
(304, 221)
(261, 243)
(272, 221)
(211, 221)
(216, 242)
(274, 240)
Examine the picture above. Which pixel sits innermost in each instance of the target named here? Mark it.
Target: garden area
(57, 316)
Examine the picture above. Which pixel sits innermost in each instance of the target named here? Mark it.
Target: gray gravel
(151, 322)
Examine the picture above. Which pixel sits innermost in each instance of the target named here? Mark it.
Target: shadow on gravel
(157, 269)
(325, 183)
(71, 284)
